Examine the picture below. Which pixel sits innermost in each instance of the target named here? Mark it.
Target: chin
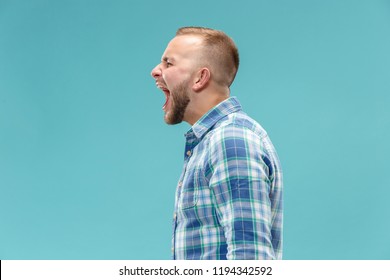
(169, 120)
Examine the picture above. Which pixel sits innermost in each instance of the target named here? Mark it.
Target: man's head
(195, 73)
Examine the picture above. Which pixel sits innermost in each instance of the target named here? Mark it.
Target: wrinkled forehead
(184, 47)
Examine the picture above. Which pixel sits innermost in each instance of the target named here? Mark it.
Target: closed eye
(167, 61)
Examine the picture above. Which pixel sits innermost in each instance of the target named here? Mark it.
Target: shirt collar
(215, 114)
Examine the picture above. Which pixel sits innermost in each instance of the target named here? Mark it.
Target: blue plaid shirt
(229, 197)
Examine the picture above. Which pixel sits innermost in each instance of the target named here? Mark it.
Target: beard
(180, 100)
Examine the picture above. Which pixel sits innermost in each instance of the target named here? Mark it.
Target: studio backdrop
(88, 168)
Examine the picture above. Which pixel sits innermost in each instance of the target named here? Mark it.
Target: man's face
(174, 76)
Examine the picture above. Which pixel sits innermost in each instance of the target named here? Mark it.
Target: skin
(187, 81)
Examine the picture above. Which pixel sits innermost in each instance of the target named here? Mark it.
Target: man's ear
(201, 80)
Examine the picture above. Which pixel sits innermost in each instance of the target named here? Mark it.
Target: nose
(156, 72)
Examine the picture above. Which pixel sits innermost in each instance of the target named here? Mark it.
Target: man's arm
(240, 182)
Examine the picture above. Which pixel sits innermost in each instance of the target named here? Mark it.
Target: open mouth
(167, 95)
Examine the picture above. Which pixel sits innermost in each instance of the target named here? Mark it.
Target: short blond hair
(221, 52)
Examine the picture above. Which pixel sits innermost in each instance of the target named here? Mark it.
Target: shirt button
(174, 216)
(189, 153)
(180, 184)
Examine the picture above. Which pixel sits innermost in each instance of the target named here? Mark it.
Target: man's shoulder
(238, 124)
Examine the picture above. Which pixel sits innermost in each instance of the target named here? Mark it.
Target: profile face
(173, 76)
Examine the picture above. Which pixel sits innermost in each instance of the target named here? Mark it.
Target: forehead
(183, 46)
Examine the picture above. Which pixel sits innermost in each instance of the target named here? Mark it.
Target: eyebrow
(165, 59)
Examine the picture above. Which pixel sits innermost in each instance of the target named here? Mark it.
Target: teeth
(161, 86)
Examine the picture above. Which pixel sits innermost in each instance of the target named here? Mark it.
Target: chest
(193, 187)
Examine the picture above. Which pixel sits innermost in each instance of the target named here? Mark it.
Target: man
(229, 196)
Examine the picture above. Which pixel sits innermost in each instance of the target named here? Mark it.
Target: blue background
(88, 168)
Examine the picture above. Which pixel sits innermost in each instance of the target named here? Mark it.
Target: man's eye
(169, 64)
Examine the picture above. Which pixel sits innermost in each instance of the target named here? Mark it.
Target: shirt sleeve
(240, 181)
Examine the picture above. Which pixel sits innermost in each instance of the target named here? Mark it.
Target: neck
(201, 103)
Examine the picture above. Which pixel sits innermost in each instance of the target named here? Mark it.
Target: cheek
(174, 76)
(168, 77)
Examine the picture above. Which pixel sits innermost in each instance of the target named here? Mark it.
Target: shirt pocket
(188, 199)
(190, 191)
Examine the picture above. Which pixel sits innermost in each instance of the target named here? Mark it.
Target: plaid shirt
(229, 196)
